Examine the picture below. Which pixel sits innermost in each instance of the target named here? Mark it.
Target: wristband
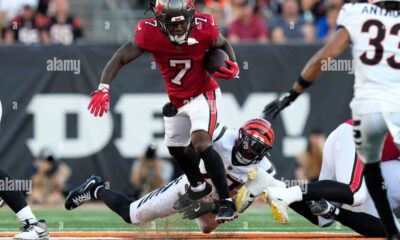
(303, 83)
(104, 85)
(293, 95)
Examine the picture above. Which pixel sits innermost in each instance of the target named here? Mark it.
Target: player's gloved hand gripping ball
(100, 102)
(217, 63)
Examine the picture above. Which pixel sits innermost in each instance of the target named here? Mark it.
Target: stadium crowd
(257, 21)
(275, 21)
(38, 22)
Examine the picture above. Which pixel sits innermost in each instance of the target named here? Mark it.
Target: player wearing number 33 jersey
(373, 30)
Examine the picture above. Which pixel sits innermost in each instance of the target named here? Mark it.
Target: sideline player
(33, 229)
(373, 30)
(341, 164)
(178, 38)
(242, 151)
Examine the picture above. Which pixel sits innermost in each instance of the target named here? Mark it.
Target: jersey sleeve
(214, 30)
(140, 35)
(346, 17)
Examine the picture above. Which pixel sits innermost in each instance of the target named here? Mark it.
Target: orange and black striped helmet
(256, 138)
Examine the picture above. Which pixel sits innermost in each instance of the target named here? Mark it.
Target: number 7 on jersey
(182, 72)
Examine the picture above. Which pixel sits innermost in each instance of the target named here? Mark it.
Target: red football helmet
(256, 138)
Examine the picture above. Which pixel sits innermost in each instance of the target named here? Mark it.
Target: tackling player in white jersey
(242, 152)
(374, 32)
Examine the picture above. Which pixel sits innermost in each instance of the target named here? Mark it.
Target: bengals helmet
(170, 13)
(255, 140)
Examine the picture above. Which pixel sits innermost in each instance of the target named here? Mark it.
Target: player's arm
(232, 71)
(100, 102)
(124, 55)
(339, 42)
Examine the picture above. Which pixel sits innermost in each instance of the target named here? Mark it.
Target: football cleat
(244, 198)
(323, 208)
(278, 206)
(83, 193)
(33, 231)
(190, 196)
(226, 212)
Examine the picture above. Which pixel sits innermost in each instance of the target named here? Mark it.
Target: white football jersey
(223, 142)
(375, 38)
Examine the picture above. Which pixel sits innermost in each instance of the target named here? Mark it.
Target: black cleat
(190, 197)
(83, 193)
(227, 212)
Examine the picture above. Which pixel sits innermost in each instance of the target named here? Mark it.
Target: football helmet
(255, 140)
(170, 14)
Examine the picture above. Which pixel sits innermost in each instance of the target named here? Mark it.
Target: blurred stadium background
(52, 53)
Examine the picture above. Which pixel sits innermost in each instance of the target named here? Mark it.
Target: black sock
(329, 190)
(377, 190)
(216, 170)
(14, 199)
(189, 164)
(302, 209)
(117, 202)
(363, 223)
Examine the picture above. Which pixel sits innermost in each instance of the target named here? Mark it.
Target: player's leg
(177, 139)
(203, 113)
(369, 134)
(33, 228)
(158, 203)
(338, 156)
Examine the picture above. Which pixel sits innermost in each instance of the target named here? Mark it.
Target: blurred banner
(45, 92)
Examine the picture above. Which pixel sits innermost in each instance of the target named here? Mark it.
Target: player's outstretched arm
(233, 69)
(335, 46)
(100, 102)
(124, 55)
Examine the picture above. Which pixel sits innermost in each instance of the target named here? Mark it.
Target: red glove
(227, 73)
(100, 102)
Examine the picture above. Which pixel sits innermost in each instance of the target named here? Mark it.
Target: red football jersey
(389, 151)
(181, 65)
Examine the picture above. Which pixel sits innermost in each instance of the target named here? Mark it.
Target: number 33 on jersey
(181, 65)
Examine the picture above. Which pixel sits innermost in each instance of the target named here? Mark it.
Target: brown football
(214, 59)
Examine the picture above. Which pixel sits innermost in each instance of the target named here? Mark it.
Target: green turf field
(98, 218)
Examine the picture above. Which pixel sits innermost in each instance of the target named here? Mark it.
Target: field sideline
(97, 222)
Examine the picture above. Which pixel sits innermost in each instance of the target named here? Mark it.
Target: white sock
(199, 188)
(295, 193)
(228, 199)
(26, 214)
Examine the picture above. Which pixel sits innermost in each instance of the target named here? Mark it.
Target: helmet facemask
(249, 150)
(165, 25)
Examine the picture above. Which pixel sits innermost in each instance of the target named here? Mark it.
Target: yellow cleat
(279, 207)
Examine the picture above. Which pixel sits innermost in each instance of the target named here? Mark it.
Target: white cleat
(35, 231)
(278, 206)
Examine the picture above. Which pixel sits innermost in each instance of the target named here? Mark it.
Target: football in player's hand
(214, 59)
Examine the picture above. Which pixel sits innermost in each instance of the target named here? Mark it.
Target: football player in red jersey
(178, 38)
